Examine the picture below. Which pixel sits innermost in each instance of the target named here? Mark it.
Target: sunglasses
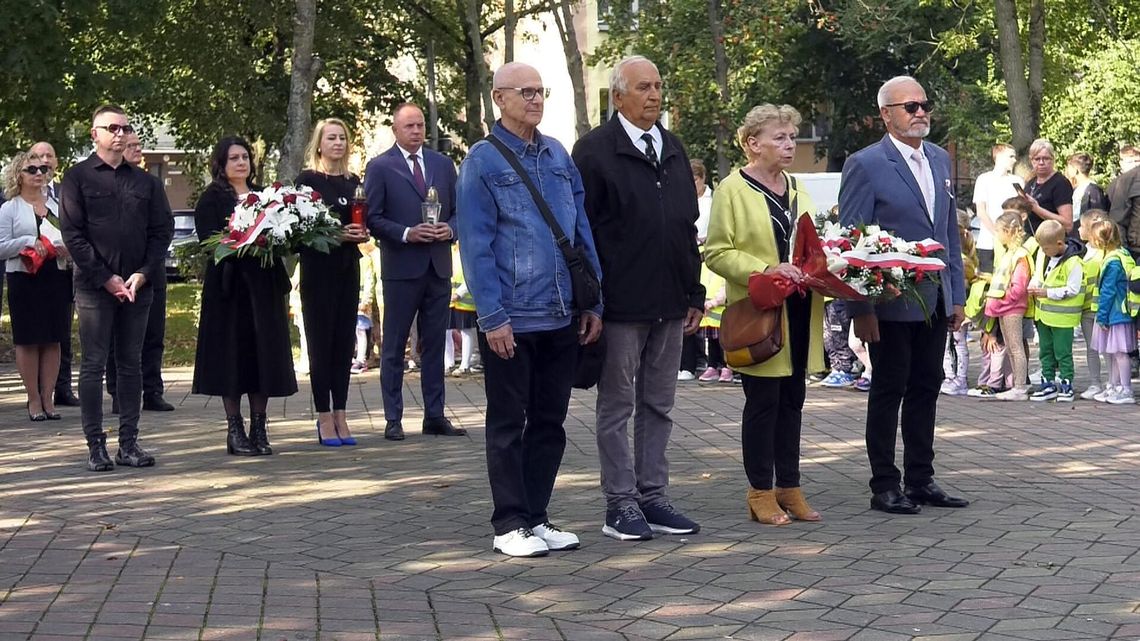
(912, 106)
(115, 130)
(32, 170)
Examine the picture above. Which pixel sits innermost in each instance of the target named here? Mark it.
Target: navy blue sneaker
(663, 518)
(626, 523)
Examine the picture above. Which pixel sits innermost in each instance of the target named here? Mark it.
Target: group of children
(1047, 282)
(1053, 284)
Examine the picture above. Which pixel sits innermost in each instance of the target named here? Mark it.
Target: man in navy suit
(903, 185)
(415, 265)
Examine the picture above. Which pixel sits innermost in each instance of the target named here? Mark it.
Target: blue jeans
(101, 318)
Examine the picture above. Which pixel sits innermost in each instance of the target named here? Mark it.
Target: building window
(814, 131)
(605, 13)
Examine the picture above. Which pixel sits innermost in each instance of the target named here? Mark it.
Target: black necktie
(650, 152)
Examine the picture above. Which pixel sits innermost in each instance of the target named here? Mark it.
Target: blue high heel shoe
(327, 442)
(346, 440)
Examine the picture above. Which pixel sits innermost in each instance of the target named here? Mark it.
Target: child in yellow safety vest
(1113, 335)
(956, 360)
(709, 332)
(463, 320)
(1093, 258)
(1058, 287)
(1007, 299)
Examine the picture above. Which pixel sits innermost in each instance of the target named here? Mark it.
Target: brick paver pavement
(391, 541)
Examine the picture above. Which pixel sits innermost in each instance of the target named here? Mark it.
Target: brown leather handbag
(750, 336)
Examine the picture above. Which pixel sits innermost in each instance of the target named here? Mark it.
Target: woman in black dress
(38, 303)
(243, 332)
(330, 283)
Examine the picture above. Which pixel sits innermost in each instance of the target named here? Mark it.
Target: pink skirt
(1115, 339)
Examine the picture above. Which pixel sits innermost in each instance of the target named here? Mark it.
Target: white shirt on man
(635, 133)
(704, 207)
(993, 189)
(924, 176)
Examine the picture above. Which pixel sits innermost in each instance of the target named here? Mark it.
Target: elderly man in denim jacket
(530, 327)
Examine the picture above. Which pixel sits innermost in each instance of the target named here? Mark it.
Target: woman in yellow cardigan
(754, 213)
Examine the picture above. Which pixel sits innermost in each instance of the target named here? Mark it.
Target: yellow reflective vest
(1093, 260)
(466, 302)
(1003, 271)
(714, 287)
(1065, 312)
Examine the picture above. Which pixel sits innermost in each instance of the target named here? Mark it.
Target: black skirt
(39, 304)
(244, 345)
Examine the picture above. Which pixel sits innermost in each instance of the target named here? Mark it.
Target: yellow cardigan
(741, 243)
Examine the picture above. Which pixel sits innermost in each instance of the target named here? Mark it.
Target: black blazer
(394, 206)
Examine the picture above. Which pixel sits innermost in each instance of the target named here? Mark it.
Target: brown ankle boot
(762, 507)
(792, 500)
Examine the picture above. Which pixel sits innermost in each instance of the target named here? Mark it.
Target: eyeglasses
(912, 106)
(115, 130)
(529, 93)
(32, 170)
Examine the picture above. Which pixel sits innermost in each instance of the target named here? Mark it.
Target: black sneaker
(97, 458)
(132, 455)
(663, 518)
(627, 523)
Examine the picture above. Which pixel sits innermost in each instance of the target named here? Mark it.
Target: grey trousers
(639, 379)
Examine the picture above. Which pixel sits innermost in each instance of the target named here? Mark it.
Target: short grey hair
(618, 83)
(884, 96)
(1042, 144)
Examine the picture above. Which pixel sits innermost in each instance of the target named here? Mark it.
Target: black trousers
(773, 410)
(527, 400)
(154, 344)
(692, 352)
(63, 379)
(429, 295)
(908, 373)
(330, 296)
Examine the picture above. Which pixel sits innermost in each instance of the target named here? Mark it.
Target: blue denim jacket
(512, 266)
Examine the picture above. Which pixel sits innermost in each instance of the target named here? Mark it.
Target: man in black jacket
(116, 223)
(642, 207)
(1124, 198)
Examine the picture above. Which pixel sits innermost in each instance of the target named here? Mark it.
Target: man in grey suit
(903, 185)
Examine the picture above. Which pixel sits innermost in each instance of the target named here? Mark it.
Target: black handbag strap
(559, 236)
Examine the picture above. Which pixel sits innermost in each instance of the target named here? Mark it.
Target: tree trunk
(433, 110)
(1021, 117)
(1036, 61)
(473, 110)
(564, 19)
(306, 66)
(475, 44)
(721, 62)
(510, 21)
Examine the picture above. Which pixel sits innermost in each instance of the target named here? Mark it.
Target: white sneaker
(1102, 397)
(1091, 392)
(520, 542)
(685, 375)
(1122, 396)
(1013, 394)
(555, 538)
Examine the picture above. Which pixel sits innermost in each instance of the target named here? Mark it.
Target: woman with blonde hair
(39, 289)
(330, 283)
(754, 212)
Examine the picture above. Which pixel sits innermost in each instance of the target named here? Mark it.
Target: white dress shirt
(419, 156)
(923, 175)
(635, 133)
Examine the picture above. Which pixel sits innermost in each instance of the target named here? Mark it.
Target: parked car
(183, 233)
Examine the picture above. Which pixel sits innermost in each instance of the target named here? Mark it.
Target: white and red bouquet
(852, 263)
(276, 221)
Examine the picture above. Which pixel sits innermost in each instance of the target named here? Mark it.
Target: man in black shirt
(116, 225)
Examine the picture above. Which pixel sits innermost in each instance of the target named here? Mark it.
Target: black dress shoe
(931, 494)
(131, 455)
(893, 502)
(442, 427)
(155, 403)
(66, 398)
(97, 458)
(394, 431)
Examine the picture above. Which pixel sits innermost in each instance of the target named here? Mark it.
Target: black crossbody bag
(584, 283)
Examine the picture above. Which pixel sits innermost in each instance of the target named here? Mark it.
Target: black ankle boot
(236, 442)
(258, 437)
(97, 458)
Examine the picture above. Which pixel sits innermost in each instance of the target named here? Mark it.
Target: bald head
(46, 153)
(510, 75)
